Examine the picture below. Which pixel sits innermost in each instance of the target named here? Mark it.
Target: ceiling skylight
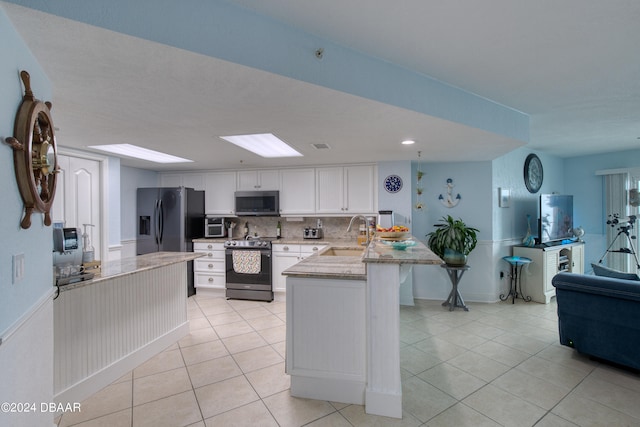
(263, 144)
(129, 150)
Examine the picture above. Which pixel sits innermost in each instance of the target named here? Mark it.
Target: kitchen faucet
(366, 225)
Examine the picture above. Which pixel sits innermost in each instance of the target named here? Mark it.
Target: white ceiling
(572, 66)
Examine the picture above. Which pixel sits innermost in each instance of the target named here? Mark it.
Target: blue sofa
(600, 316)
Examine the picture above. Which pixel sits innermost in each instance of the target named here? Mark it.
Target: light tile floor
(496, 365)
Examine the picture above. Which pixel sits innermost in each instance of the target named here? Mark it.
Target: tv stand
(547, 261)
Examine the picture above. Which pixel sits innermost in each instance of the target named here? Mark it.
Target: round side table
(455, 274)
(516, 283)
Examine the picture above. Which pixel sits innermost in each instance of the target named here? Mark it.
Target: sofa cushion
(601, 270)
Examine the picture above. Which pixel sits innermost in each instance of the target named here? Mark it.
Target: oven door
(248, 273)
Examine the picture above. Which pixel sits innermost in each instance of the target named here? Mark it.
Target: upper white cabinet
(219, 193)
(258, 180)
(297, 191)
(346, 190)
(189, 180)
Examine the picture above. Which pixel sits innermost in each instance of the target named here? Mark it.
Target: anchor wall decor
(449, 200)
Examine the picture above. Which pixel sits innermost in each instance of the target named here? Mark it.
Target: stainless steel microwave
(257, 203)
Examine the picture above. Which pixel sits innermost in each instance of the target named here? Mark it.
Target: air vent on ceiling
(321, 146)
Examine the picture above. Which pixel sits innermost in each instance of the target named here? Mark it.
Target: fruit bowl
(392, 235)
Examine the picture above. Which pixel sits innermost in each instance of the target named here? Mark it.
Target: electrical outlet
(18, 268)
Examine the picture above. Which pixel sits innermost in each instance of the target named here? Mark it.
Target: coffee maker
(67, 256)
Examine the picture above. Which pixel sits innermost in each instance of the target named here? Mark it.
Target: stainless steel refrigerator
(168, 220)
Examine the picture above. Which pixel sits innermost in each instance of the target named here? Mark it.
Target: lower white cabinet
(284, 256)
(209, 271)
(535, 277)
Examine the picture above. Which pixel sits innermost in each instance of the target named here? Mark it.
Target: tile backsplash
(333, 227)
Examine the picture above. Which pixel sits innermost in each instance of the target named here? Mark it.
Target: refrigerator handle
(161, 221)
(156, 220)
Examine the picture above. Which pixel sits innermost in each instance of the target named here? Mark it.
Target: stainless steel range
(248, 269)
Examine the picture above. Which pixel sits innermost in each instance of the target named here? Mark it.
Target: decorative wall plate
(34, 154)
(393, 183)
(533, 173)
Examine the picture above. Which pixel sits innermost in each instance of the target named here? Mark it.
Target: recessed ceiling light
(408, 142)
(263, 144)
(129, 150)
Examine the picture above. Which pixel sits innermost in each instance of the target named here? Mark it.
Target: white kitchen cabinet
(259, 180)
(219, 193)
(546, 263)
(209, 270)
(284, 256)
(189, 180)
(170, 179)
(297, 191)
(346, 190)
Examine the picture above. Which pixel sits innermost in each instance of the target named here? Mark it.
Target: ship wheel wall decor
(34, 154)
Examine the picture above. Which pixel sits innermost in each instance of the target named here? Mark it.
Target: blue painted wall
(36, 242)
(588, 190)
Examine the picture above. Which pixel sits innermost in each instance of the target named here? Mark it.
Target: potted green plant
(452, 240)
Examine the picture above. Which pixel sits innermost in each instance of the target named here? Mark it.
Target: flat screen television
(556, 217)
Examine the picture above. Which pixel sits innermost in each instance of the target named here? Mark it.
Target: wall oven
(248, 270)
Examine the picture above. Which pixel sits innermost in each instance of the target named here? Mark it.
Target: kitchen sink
(343, 251)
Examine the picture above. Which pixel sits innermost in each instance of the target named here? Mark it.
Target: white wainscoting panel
(103, 330)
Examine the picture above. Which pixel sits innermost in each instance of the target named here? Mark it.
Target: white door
(77, 199)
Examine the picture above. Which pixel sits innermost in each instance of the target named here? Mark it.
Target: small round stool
(515, 262)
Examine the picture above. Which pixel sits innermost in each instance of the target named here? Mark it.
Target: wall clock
(34, 154)
(533, 173)
(393, 183)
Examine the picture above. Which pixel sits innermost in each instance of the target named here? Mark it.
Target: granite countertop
(354, 267)
(286, 241)
(124, 266)
(381, 253)
(330, 267)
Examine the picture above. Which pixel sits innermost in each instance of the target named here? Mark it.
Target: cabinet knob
(209, 254)
(210, 265)
(210, 279)
(209, 246)
(315, 248)
(286, 248)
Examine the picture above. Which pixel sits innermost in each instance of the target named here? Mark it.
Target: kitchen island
(343, 324)
(104, 327)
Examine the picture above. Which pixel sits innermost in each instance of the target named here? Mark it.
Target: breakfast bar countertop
(355, 267)
(381, 253)
(125, 266)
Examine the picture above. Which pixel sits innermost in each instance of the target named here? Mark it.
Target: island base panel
(335, 390)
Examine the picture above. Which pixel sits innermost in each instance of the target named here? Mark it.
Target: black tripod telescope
(623, 229)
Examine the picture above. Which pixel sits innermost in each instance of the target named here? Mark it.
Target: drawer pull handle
(209, 254)
(210, 279)
(210, 265)
(209, 246)
(286, 248)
